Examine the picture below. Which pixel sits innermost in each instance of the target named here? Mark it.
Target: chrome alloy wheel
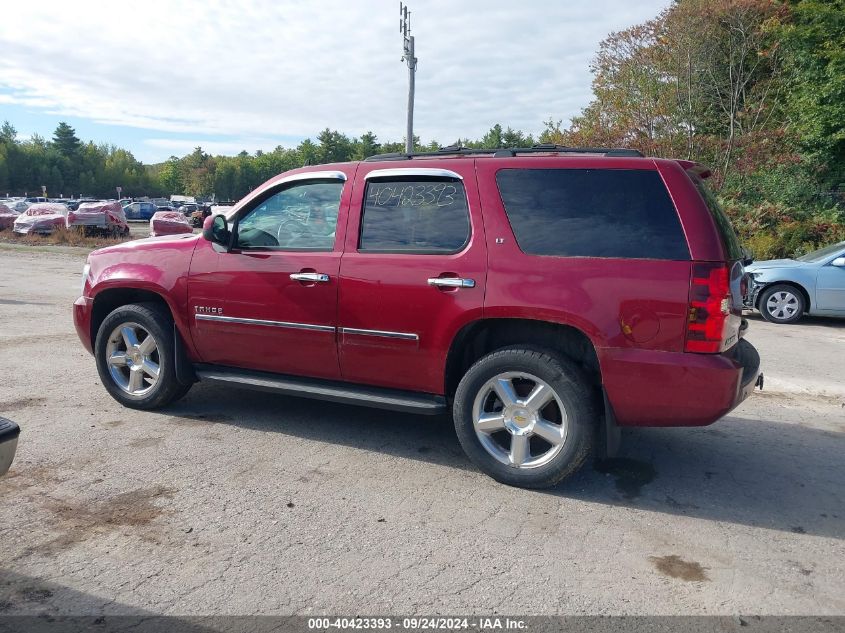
(519, 420)
(133, 359)
(782, 305)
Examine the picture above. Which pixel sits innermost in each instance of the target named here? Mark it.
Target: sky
(160, 77)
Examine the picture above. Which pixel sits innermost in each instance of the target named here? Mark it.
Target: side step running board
(346, 393)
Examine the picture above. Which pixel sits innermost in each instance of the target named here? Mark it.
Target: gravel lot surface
(233, 502)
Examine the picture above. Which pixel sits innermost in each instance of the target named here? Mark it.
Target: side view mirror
(839, 261)
(215, 229)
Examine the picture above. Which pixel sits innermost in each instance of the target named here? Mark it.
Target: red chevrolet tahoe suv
(546, 296)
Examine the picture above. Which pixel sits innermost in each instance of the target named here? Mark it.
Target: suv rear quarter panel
(633, 310)
(627, 303)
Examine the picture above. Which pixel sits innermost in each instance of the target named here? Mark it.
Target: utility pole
(408, 57)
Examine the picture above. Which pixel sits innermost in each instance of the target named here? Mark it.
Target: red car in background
(169, 223)
(99, 218)
(7, 217)
(42, 218)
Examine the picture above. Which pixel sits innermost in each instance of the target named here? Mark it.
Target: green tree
(813, 41)
(334, 147)
(8, 133)
(307, 153)
(366, 146)
(170, 178)
(493, 139)
(65, 141)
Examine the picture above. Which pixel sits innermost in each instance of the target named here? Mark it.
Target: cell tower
(408, 57)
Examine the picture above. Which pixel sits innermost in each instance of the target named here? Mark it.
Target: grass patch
(62, 236)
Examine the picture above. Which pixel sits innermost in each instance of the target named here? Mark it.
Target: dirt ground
(233, 502)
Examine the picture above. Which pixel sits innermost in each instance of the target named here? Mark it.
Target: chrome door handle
(451, 282)
(321, 277)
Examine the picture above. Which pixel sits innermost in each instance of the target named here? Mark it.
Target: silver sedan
(783, 290)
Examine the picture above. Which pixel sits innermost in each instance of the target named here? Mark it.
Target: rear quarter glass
(611, 213)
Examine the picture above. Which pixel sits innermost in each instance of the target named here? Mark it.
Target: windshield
(822, 253)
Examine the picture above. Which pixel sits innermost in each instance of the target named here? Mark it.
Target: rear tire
(525, 417)
(135, 356)
(782, 303)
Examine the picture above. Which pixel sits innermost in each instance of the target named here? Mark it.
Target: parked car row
(94, 218)
(42, 218)
(145, 209)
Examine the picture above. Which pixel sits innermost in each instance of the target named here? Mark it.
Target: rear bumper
(82, 308)
(650, 388)
(9, 432)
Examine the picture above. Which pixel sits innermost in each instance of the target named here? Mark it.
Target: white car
(18, 205)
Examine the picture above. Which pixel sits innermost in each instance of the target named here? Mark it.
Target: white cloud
(271, 68)
(180, 147)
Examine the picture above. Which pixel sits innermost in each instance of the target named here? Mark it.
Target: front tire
(782, 303)
(525, 417)
(135, 354)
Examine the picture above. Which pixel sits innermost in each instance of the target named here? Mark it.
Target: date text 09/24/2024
(417, 623)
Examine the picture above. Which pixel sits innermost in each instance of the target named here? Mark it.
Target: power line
(408, 57)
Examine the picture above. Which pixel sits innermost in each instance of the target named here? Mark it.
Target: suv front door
(270, 302)
(412, 274)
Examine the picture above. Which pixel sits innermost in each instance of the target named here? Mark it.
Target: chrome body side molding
(265, 323)
(407, 336)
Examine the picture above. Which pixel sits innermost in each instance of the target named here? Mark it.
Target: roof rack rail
(508, 152)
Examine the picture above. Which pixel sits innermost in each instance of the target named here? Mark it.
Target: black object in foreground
(9, 432)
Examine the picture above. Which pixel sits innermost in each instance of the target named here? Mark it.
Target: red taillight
(709, 308)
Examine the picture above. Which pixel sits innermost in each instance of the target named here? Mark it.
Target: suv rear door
(413, 271)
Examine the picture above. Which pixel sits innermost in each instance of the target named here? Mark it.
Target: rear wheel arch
(481, 337)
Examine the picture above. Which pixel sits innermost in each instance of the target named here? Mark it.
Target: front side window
(300, 217)
(414, 215)
(619, 213)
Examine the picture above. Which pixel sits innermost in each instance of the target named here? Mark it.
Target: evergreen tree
(64, 140)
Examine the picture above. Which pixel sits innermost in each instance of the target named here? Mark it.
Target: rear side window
(625, 213)
(723, 224)
(414, 215)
